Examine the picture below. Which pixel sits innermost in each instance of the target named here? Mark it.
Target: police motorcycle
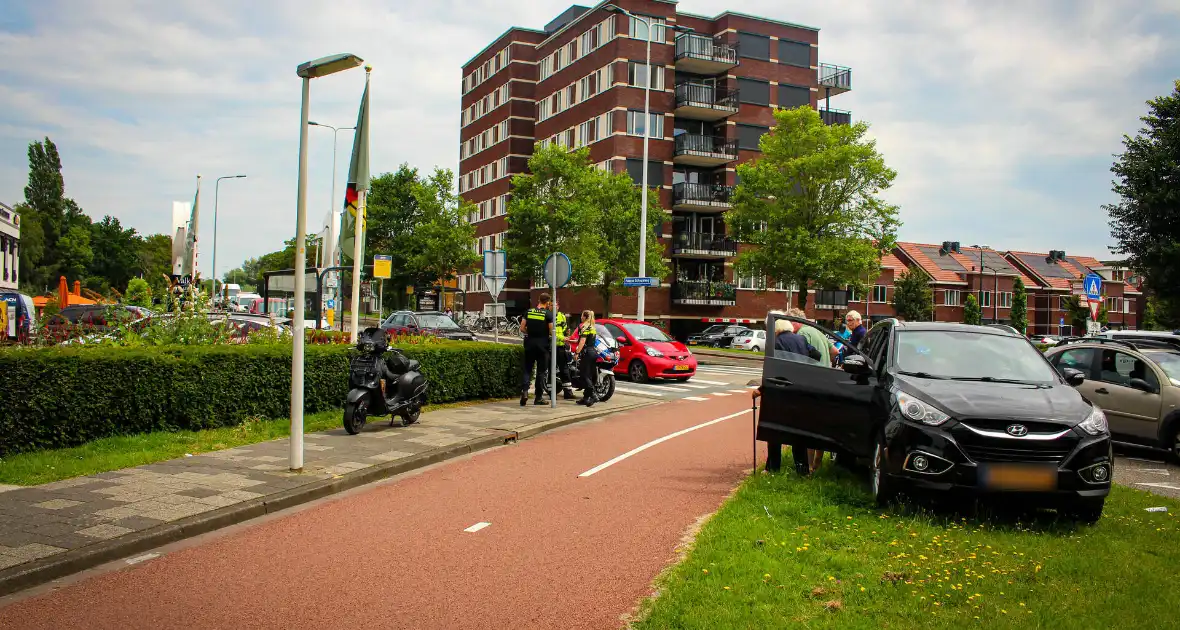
(607, 357)
(381, 384)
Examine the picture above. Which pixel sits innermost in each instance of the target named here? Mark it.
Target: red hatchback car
(646, 352)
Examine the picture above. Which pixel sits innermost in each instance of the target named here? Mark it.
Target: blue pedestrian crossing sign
(1093, 284)
(331, 303)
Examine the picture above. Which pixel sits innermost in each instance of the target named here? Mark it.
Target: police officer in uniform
(537, 327)
(588, 358)
(563, 352)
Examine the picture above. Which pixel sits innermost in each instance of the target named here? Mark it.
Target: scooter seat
(415, 365)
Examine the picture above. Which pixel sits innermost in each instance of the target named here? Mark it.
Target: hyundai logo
(1017, 430)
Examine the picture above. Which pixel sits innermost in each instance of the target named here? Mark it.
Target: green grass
(814, 553)
(126, 451)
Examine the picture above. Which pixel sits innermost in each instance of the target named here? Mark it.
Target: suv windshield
(971, 356)
(439, 322)
(643, 332)
(1169, 362)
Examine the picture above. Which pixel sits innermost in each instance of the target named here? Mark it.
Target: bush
(65, 396)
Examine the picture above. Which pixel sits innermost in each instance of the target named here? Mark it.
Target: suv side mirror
(857, 365)
(1073, 377)
(1141, 385)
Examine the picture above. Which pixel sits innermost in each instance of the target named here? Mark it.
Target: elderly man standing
(814, 337)
(854, 322)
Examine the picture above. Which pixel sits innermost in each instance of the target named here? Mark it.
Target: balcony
(703, 245)
(701, 54)
(836, 116)
(833, 79)
(703, 293)
(701, 101)
(697, 150)
(701, 197)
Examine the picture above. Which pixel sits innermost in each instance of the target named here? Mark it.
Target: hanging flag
(190, 245)
(358, 178)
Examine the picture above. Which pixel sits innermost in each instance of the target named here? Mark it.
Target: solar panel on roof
(1083, 269)
(996, 261)
(946, 263)
(1044, 269)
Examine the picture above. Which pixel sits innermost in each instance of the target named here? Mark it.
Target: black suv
(718, 336)
(943, 407)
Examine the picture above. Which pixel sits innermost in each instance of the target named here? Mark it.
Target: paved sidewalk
(63, 527)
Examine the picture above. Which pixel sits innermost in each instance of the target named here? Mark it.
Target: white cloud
(141, 96)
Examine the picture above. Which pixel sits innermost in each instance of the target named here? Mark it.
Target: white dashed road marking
(477, 527)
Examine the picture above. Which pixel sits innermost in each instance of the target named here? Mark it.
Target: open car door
(808, 403)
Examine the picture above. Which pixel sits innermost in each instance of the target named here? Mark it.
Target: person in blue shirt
(853, 320)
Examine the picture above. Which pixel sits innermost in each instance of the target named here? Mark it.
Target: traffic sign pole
(557, 273)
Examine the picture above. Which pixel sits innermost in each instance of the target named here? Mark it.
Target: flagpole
(358, 242)
(298, 334)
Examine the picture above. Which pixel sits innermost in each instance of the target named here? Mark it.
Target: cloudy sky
(1000, 117)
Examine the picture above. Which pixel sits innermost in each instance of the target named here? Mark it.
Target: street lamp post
(332, 212)
(610, 8)
(307, 71)
(216, 196)
(981, 249)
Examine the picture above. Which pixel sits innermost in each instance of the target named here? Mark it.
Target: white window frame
(952, 297)
(884, 297)
(985, 299)
(634, 68)
(656, 119)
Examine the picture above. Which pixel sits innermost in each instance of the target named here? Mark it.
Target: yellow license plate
(692, 342)
(681, 368)
(1018, 477)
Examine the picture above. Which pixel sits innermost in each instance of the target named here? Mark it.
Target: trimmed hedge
(63, 396)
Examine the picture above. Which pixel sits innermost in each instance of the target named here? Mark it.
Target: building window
(1006, 299)
(638, 29)
(985, 299)
(754, 91)
(794, 53)
(880, 294)
(751, 283)
(790, 96)
(637, 75)
(951, 297)
(655, 172)
(635, 124)
(1126, 306)
(749, 135)
(754, 46)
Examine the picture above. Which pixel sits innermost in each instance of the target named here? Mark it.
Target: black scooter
(381, 385)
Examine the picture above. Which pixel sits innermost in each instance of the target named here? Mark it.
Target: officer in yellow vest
(563, 353)
(537, 327)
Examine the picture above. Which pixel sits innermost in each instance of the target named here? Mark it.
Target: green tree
(1144, 222)
(139, 293)
(971, 312)
(74, 253)
(811, 205)
(116, 252)
(913, 299)
(442, 232)
(618, 223)
(155, 261)
(1019, 311)
(32, 250)
(1158, 316)
(550, 210)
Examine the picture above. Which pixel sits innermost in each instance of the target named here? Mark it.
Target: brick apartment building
(579, 82)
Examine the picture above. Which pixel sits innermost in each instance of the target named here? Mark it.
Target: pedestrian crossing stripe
(700, 380)
(694, 385)
(697, 399)
(720, 394)
(636, 392)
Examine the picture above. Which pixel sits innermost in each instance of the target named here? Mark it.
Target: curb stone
(39, 572)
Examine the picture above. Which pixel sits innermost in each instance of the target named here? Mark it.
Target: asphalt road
(554, 532)
(1145, 469)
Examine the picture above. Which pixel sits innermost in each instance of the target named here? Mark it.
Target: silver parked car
(753, 340)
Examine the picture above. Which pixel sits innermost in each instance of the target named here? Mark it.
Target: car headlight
(1095, 423)
(652, 352)
(918, 411)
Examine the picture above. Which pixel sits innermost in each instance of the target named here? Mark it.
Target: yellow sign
(331, 315)
(3, 318)
(382, 266)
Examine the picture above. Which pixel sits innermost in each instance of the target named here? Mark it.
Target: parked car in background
(277, 306)
(1172, 337)
(948, 409)
(1137, 384)
(717, 336)
(432, 323)
(1044, 340)
(1005, 327)
(753, 340)
(93, 318)
(646, 352)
